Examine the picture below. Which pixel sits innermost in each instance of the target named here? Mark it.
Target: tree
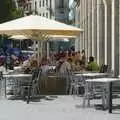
(8, 11)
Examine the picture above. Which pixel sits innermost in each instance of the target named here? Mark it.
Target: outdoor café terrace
(65, 86)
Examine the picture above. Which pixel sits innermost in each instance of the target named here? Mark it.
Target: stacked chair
(96, 90)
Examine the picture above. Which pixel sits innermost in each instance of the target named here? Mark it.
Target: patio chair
(12, 86)
(33, 86)
(77, 85)
(1, 77)
(116, 95)
(68, 78)
(95, 91)
(103, 68)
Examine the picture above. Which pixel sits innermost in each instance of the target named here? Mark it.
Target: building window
(40, 3)
(43, 14)
(47, 3)
(61, 3)
(35, 7)
(43, 3)
(46, 15)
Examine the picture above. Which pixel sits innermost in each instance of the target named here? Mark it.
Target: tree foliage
(8, 11)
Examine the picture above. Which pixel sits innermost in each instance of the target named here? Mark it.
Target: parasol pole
(41, 49)
(34, 44)
(20, 44)
(48, 50)
(38, 53)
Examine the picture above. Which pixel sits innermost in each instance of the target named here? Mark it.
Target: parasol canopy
(35, 25)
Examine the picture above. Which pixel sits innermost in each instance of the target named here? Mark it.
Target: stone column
(77, 41)
(83, 46)
(113, 35)
(118, 21)
(86, 28)
(107, 37)
(89, 28)
(109, 19)
(116, 37)
(95, 29)
(98, 30)
(105, 6)
(93, 20)
(80, 22)
(102, 33)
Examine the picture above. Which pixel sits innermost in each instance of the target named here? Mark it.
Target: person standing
(65, 71)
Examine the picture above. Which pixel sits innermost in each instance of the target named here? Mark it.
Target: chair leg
(86, 96)
(84, 99)
(88, 104)
(29, 93)
(70, 92)
(38, 91)
(77, 91)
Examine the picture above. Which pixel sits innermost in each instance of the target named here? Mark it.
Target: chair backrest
(104, 69)
(35, 74)
(39, 74)
(1, 75)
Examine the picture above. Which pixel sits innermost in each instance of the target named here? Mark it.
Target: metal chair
(116, 95)
(77, 84)
(12, 86)
(1, 78)
(33, 86)
(104, 68)
(95, 91)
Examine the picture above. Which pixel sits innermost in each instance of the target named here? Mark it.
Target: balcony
(77, 2)
(62, 7)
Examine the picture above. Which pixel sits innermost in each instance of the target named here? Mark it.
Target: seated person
(92, 65)
(32, 66)
(66, 66)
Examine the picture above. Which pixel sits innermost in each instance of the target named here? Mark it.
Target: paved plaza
(60, 108)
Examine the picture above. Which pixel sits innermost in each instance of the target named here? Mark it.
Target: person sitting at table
(92, 65)
(66, 65)
(34, 64)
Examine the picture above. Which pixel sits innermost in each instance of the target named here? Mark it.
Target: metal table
(109, 81)
(92, 74)
(15, 76)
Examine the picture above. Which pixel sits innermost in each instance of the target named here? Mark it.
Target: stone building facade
(100, 21)
(24, 5)
(53, 9)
